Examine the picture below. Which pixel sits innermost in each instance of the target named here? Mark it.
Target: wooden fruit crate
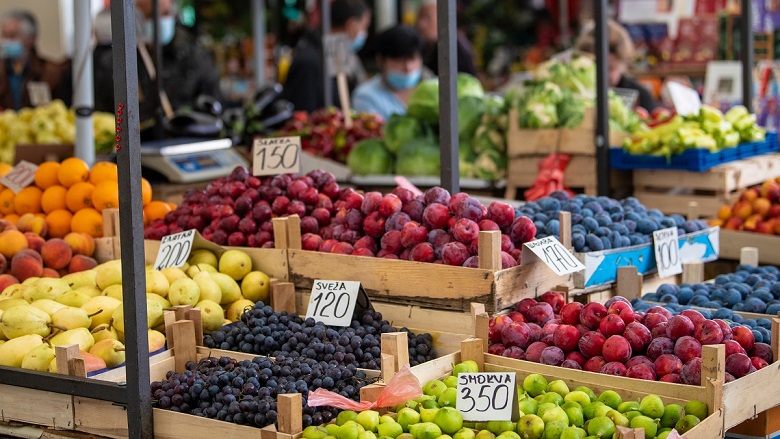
(425, 284)
(732, 243)
(672, 191)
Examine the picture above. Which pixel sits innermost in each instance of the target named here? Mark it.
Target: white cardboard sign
(332, 302)
(174, 250)
(550, 251)
(276, 155)
(486, 396)
(667, 252)
(19, 177)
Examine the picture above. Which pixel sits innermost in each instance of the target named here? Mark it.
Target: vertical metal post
(602, 97)
(83, 93)
(258, 37)
(448, 94)
(158, 65)
(327, 85)
(746, 48)
(139, 403)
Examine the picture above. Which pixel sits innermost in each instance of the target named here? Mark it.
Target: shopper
(621, 56)
(399, 57)
(22, 68)
(188, 71)
(427, 25)
(304, 83)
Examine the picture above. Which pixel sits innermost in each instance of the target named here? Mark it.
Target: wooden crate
(672, 191)
(732, 242)
(416, 283)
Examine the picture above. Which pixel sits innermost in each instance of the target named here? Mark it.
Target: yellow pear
(104, 303)
(203, 256)
(235, 264)
(173, 273)
(184, 292)
(53, 365)
(226, 322)
(156, 340)
(159, 299)
(10, 303)
(72, 318)
(48, 306)
(30, 281)
(13, 351)
(199, 268)
(108, 273)
(2, 336)
(230, 289)
(111, 351)
(15, 291)
(75, 297)
(209, 289)
(211, 315)
(24, 320)
(39, 358)
(237, 308)
(256, 286)
(114, 291)
(157, 283)
(46, 288)
(185, 267)
(154, 313)
(79, 336)
(103, 332)
(85, 278)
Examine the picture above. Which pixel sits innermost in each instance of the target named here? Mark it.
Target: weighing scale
(190, 160)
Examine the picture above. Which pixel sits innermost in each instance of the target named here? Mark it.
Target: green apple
(627, 406)
(575, 415)
(526, 404)
(652, 406)
(587, 390)
(369, 419)
(611, 398)
(451, 382)
(346, 415)
(601, 426)
(434, 388)
(312, 432)
(577, 396)
(427, 415)
(468, 366)
(558, 386)
(535, 384)
(498, 427)
(686, 423)
(555, 414)
(530, 427)
(389, 429)
(645, 423)
(554, 429)
(619, 419)
(672, 414)
(552, 397)
(696, 408)
(448, 397)
(407, 417)
(484, 434)
(573, 433)
(464, 433)
(449, 420)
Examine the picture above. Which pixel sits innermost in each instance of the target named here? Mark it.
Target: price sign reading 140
(19, 177)
(555, 255)
(174, 250)
(332, 302)
(486, 396)
(667, 252)
(280, 155)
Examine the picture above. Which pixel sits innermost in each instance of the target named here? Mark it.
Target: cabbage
(490, 165)
(418, 157)
(370, 157)
(424, 101)
(539, 114)
(470, 111)
(399, 130)
(469, 86)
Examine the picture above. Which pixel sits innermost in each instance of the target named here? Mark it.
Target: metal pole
(158, 65)
(563, 22)
(131, 227)
(258, 36)
(602, 98)
(448, 94)
(83, 83)
(327, 85)
(746, 47)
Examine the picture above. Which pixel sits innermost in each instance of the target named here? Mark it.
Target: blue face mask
(403, 81)
(12, 49)
(358, 42)
(167, 29)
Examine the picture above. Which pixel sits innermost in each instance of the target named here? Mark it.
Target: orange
(7, 202)
(53, 198)
(79, 196)
(89, 221)
(58, 223)
(172, 205)
(103, 171)
(47, 174)
(146, 191)
(156, 210)
(72, 170)
(28, 200)
(11, 217)
(106, 196)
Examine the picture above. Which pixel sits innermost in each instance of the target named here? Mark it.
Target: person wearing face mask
(399, 57)
(22, 66)
(304, 84)
(427, 25)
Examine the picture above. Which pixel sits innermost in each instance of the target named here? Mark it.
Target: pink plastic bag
(403, 387)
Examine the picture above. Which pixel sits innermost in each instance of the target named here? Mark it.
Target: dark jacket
(646, 99)
(465, 58)
(36, 70)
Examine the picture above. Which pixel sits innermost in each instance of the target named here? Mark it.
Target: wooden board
(36, 407)
(732, 242)
(678, 203)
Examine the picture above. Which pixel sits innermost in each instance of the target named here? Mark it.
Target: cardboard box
(764, 426)
(38, 154)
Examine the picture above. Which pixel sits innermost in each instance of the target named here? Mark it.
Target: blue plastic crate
(696, 160)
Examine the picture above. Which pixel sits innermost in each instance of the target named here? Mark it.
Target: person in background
(427, 25)
(21, 64)
(621, 55)
(303, 85)
(399, 57)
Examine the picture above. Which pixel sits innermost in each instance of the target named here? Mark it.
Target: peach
(34, 241)
(6, 225)
(765, 227)
(751, 223)
(26, 264)
(31, 223)
(742, 209)
(7, 279)
(774, 211)
(81, 263)
(761, 206)
(56, 253)
(749, 195)
(733, 223)
(769, 188)
(724, 212)
(50, 272)
(11, 242)
(3, 264)
(80, 243)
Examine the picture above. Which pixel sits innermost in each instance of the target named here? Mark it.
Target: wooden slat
(732, 243)
(65, 357)
(530, 280)
(434, 369)
(294, 231)
(184, 334)
(397, 345)
(669, 203)
(172, 425)
(489, 250)
(693, 272)
(283, 297)
(748, 256)
(289, 408)
(473, 349)
(36, 407)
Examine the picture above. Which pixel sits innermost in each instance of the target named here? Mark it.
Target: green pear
(559, 387)
(647, 424)
(448, 397)
(619, 419)
(683, 425)
(200, 268)
(235, 264)
(405, 436)
(555, 414)
(106, 306)
(631, 414)
(554, 429)
(575, 415)
(449, 420)
(184, 292)
(203, 256)
(389, 429)
(78, 297)
(366, 435)
(577, 396)
(573, 433)
(652, 406)
(407, 417)
(468, 366)
(464, 433)
(663, 433)
(544, 407)
(256, 286)
(526, 404)
(498, 427)
(231, 292)
(603, 410)
(484, 434)
(15, 291)
(157, 283)
(696, 408)
(209, 289)
(530, 427)
(434, 388)
(589, 410)
(212, 315)
(369, 419)
(314, 432)
(552, 397)
(79, 336)
(535, 384)
(426, 430)
(345, 416)
(390, 417)
(24, 320)
(48, 306)
(104, 332)
(71, 318)
(348, 431)
(154, 314)
(509, 435)
(46, 288)
(111, 351)
(451, 381)
(173, 273)
(587, 390)
(108, 273)
(10, 303)
(87, 278)
(333, 429)
(627, 406)
(672, 414)
(13, 351)
(427, 415)
(39, 358)
(601, 426)
(611, 398)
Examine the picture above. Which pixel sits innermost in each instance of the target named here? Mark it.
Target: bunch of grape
(262, 331)
(244, 392)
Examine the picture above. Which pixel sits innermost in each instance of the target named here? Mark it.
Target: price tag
(20, 176)
(487, 396)
(629, 96)
(685, 99)
(40, 93)
(332, 302)
(338, 54)
(550, 251)
(279, 155)
(667, 252)
(174, 250)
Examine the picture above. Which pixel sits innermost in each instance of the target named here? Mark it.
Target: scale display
(195, 163)
(191, 160)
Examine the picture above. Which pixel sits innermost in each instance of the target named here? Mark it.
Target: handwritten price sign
(555, 255)
(332, 302)
(174, 250)
(19, 177)
(667, 252)
(280, 155)
(486, 396)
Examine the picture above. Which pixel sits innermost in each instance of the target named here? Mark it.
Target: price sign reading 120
(279, 155)
(174, 250)
(486, 396)
(332, 302)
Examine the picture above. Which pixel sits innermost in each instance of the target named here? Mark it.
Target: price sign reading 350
(555, 255)
(279, 155)
(332, 302)
(174, 250)
(486, 396)
(19, 177)
(667, 252)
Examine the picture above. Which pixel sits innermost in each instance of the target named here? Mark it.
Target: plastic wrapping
(403, 387)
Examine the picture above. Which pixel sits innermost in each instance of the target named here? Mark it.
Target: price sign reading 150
(280, 155)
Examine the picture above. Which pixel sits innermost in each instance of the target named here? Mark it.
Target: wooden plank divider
(693, 272)
(184, 336)
(490, 250)
(289, 417)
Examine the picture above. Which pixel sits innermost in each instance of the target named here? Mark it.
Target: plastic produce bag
(403, 387)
